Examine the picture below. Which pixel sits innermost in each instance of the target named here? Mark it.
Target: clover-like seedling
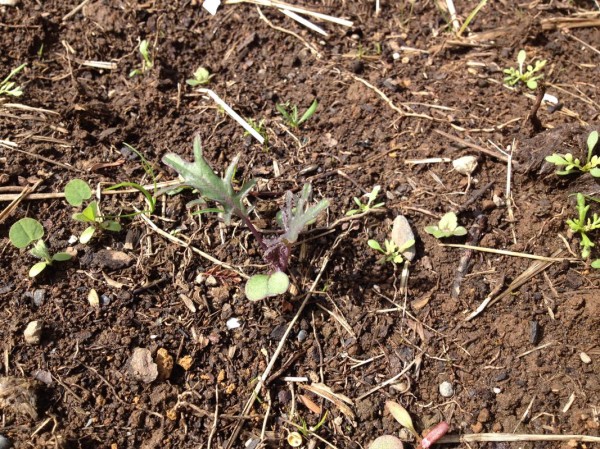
(91, 214)
(201, 76)
(27, 231)
(364, 208)
(528, 76)
(446, 227)
(147, 61)
(391, 252)
(290, 113)
(8, 87)
(76, 192)
(571, 164)
(296, 215)
(584, 225)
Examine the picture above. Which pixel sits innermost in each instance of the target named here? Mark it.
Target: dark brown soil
(520, 366)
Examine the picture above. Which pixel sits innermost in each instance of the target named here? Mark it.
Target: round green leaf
(592, 140)
(37, 269)
(261, 286)
(25, 231)
(77, 191)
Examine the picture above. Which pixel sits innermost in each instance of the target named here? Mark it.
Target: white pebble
(233, 323)
(33, 333)
(396, 56)
(497, 390)
(446, 389)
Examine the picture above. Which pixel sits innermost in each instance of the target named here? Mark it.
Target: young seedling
(290, 113)
(76, 192)
(446, 227)
(8, 87)
(260, 128)
(391, 252)
(572, 165)
(584, 225)
(296, 215)
(201, 76)
(363, 208)
(147, 61)
(527, 77)
(27, 231)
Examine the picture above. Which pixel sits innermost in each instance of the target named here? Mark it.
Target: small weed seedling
(584, 225)
(76, 192)
(147, 61)
(260, 128)
(364, 208)
(290, 113)
(27, 231)
(201, 76)
(527, 77)
(447, 227)
(572, 165)
(8, 87)
(401, 415)
(296, 215)
(392, 252)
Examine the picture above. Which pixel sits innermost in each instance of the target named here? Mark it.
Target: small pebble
(484, 415)
(33, 333)
(38, 297)
(585, 358)
(534, 332)
(497, 390)
(396, 56)
(233, 323)
(302, 335)
(210, 281)
(4, 442)
(497, 427)
(446, 389)
(503, 375)
(477, 427)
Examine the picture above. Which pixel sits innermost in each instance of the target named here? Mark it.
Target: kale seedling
(290, 113)
(296, 215)
(147, 61)
(201, 76)
(27, 231)
(584, 225)
(76, 192)
(8, 87)
(363, 208)
(572, 165)
(527, 77)
(446, 227)
(392, 252)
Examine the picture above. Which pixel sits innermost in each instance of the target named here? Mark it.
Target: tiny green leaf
(592, 140)
(25, 231)
(596, 263)
(448, 222)
(110, 225)
(40, 250)
(261, 286)
(77, 191)
(61, 257)
(89, 214)
(521, 57)
(375, 245)
(87, 234)
(401, 415)
(37, 269)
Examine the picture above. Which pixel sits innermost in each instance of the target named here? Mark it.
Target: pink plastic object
(435, 434)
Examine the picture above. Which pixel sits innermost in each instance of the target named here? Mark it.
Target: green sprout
(150, 199)
(260, 128)
(147, 61)
(584, 225)
(8, 87)
(446, 227)
(392, 252)
(76, 192)
(27, 231)
(296, 215)
(363, 208)
(201, 76)
(527, 77)
(572, 165)
(290, 113)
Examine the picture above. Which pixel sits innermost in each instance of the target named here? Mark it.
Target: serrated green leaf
(77, 191)
(296, 214)
(37, 269)
(25, 231)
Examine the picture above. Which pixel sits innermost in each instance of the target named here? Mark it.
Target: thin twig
(511, 437)
(505, 252)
